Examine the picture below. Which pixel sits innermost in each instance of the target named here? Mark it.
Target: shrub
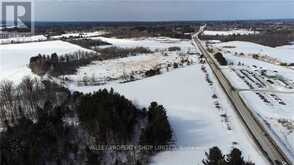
(174, 48)
(152, 72)
(220, 58)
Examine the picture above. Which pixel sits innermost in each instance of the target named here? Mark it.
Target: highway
(255, 127)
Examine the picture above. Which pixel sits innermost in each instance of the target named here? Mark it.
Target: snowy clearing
(197, 123)
(23, 39)
(134, 67)
(279, 118)
(152, 43)
(281, 53)
(230, 32)
(267, 85)
(99, 72)
(14, 58)
(247, 73)
(79, 35)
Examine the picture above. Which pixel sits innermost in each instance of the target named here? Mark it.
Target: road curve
(257, 129)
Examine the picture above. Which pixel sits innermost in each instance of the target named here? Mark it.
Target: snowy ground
(197, 123)
(265, 84)
(248, 73)
(79, 35)
(23, 39)
(152, 43)
(278, 117)
(14, 58)
(284, 53)
(230, 32)
(117, 69)
(100, 72)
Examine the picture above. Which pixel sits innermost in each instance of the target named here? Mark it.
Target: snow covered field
(100, 72)
(230, 32)
(79, 34)
(278, 117)
(23, 39)
(264, 84)
(199, 120)
(116, 69)
(152, 43)
(265, 76)
(14, 58)
(284, 54)
(198, 125)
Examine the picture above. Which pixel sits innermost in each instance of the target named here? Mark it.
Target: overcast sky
(161, 10)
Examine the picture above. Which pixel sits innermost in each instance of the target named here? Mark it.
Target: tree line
(56, 65)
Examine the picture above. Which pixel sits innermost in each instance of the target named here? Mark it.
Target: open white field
(14, 58)
(196, 121)
(230, 32)
(248, 73)
(120, 69)
(199, 120)
(267, 85)
(276, 110)
(23, 39)
(283, 54)
(79, 35)
(152, 43)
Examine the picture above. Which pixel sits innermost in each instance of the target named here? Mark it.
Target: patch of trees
(25, 98)
(47, 141)
(255, 56)
(220, 59)
(64, 127)
(107, 114)
(56, 65)
(174, 48)
(216, 157)
(88, 43)
(152, 72)
(117, 52)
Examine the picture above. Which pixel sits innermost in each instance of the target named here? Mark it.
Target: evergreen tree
(158, 130)
(214, 157)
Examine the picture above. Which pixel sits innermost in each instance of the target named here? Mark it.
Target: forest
(44, 123)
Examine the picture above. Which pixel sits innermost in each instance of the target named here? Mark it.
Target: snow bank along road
(268, 145)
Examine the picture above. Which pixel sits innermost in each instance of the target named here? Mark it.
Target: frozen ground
(279, 118)
(14, 58)
(284, 53)
(268, 76)
(78, 34)
(199, 121)
(230, 32)
(152, 43)
(267, 85)
(23, 39)
(100, 72)
(196, 122)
